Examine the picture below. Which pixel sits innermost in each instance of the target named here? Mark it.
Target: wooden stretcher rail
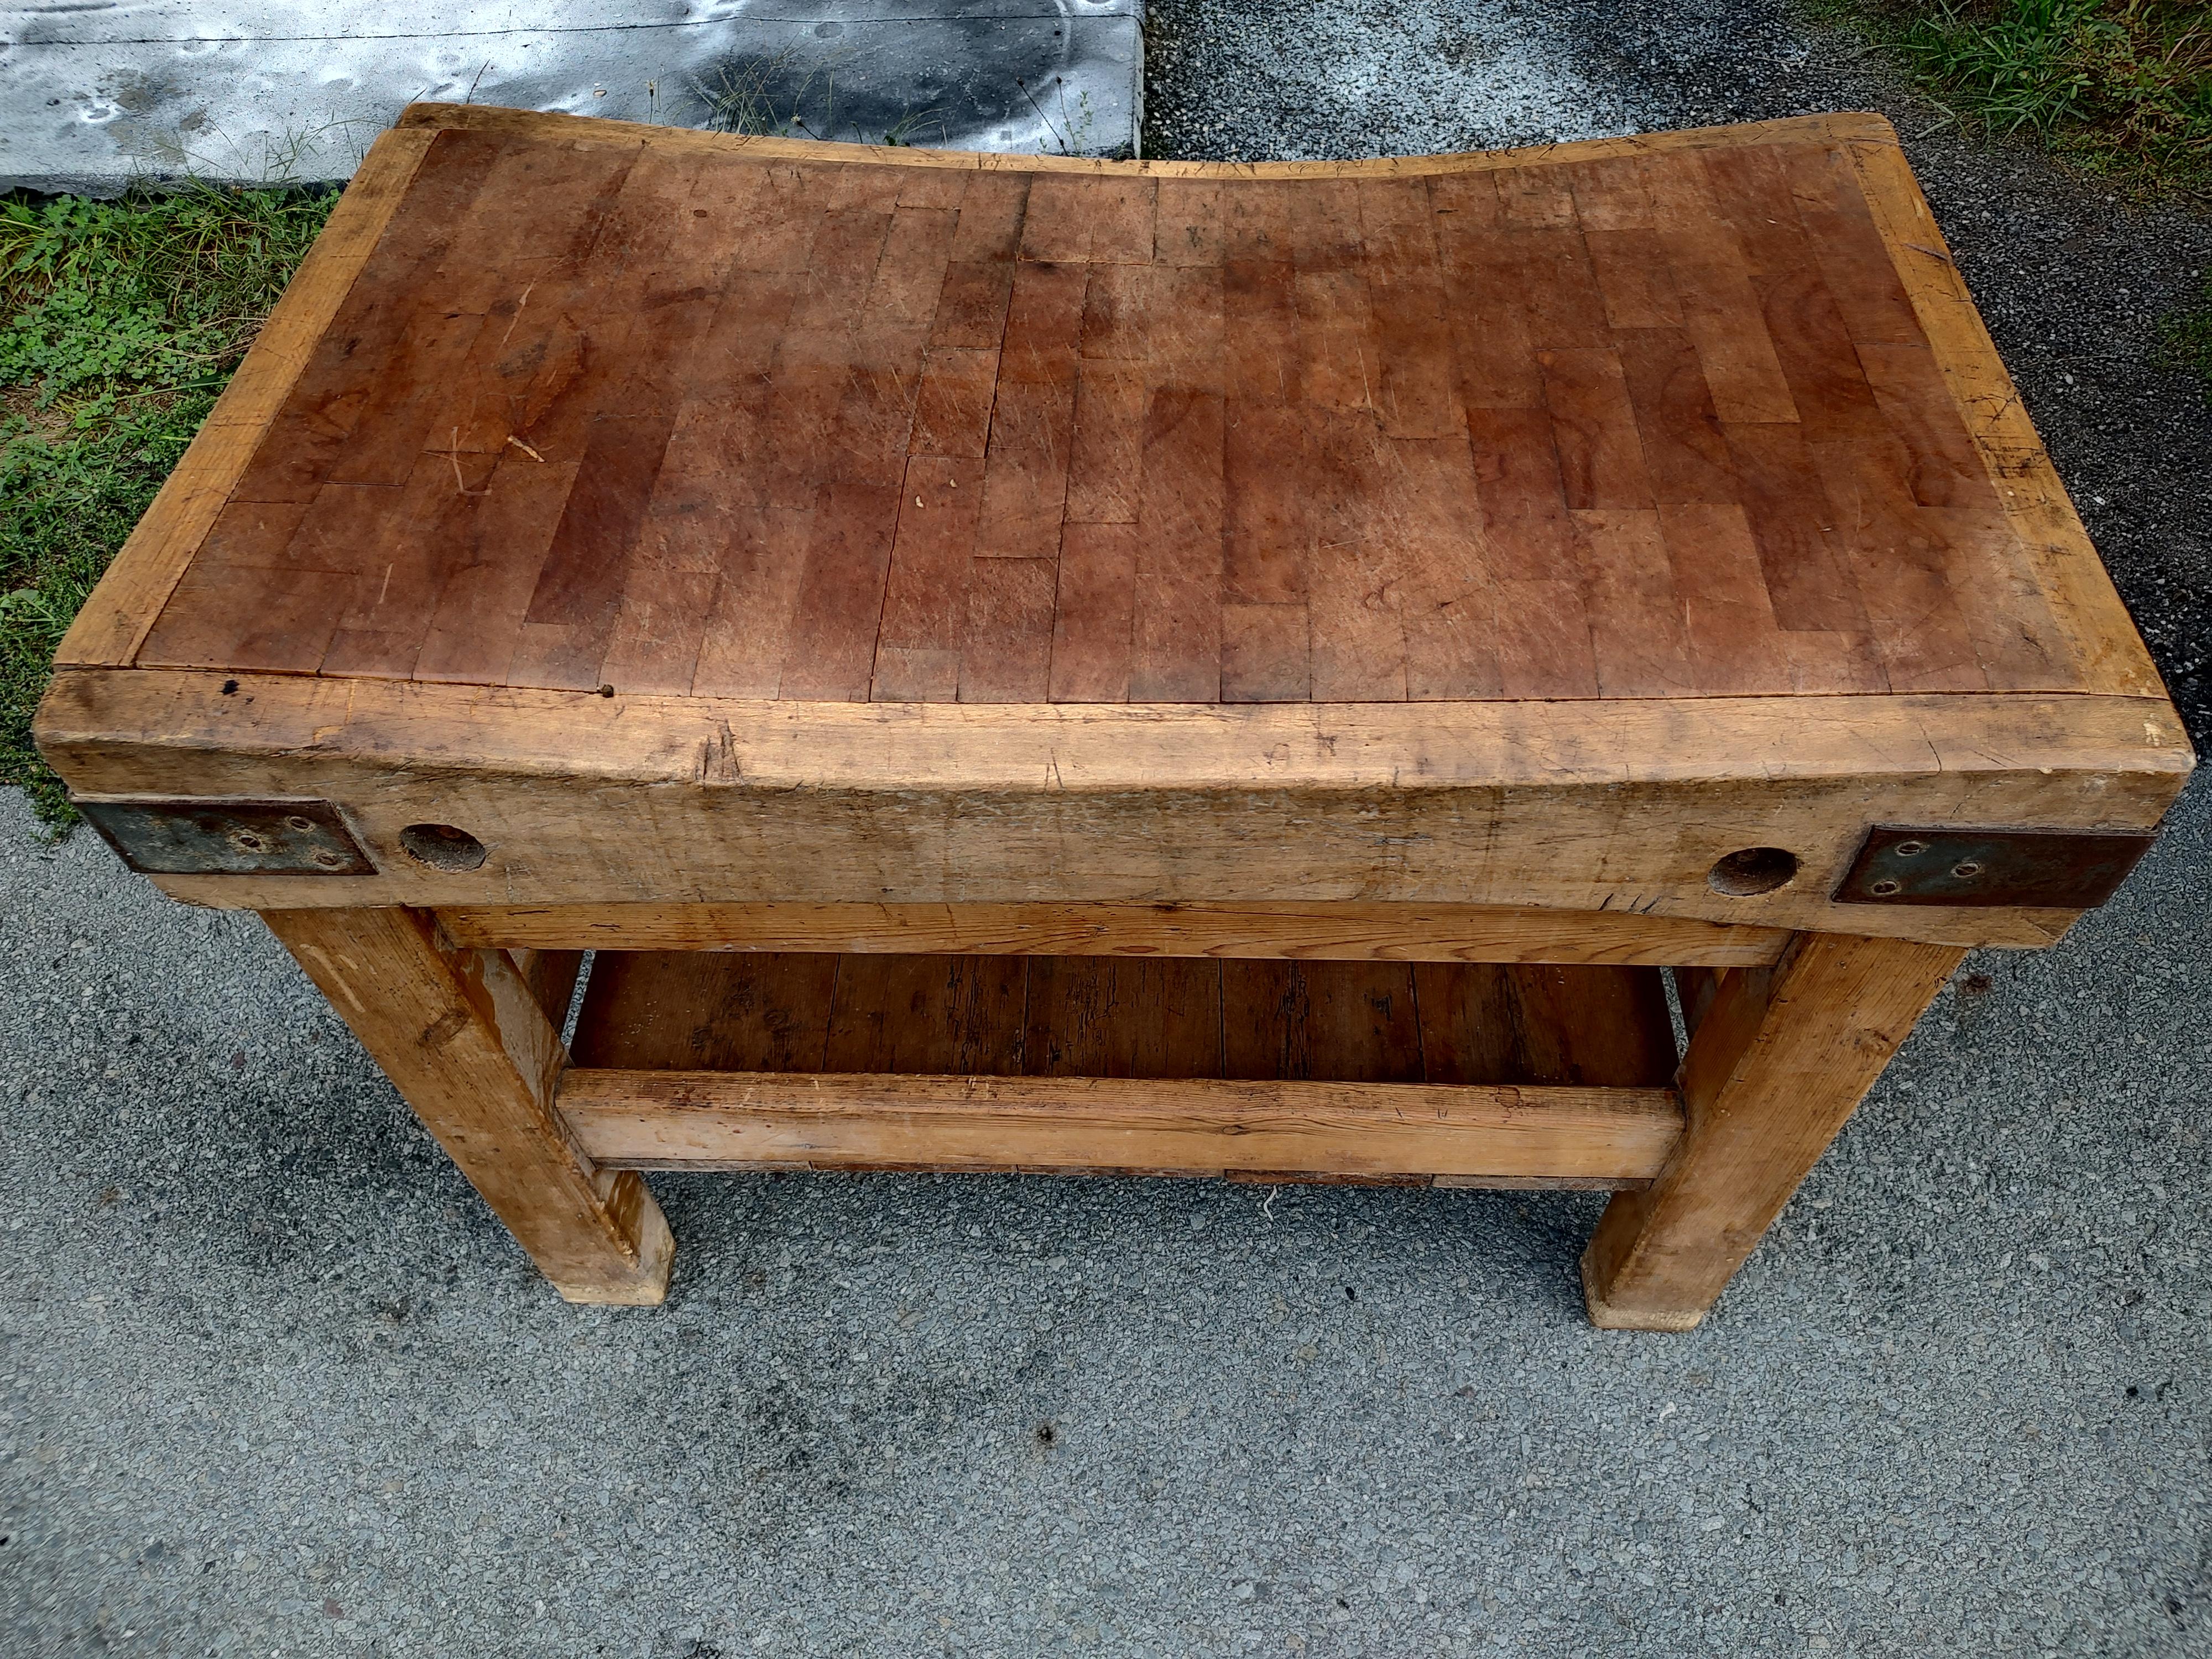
(1513, 1135)
(1391, 932)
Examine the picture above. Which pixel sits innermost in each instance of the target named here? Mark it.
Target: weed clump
(2187, 337)
(120, 322)
(2122, 87)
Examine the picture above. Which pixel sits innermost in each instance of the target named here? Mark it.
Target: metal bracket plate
(2032, 869)
(220, 836)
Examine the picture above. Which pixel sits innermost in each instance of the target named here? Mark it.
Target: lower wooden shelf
(1465, 1074)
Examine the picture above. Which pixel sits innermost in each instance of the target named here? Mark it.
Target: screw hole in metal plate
(1753, 871)
(442, 846)
(226, 835)
(1996, 867)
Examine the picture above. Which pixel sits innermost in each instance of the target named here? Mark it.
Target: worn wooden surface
(1396, 932)
(1365, 559)
(1007, 1016)
(550, 973)
(464, 1038)
(799, 422)
(114, 620)
(1400, 1133)
(1572, 806)
(1778, 1063)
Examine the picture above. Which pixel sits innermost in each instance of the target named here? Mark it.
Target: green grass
(2187, 338)
(119, 324)
(2120, 88)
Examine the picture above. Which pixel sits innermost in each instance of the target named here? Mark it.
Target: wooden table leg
(1778, 1062)
(463, 1036)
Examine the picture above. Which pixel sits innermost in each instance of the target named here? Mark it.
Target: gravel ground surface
(275, 1383)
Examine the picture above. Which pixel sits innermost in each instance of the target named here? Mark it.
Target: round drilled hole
(1883, 888)
(1906, 849)
(1753, 869)
(442, 846)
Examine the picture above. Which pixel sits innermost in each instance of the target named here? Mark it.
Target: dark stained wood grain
(1354, 1021)
(1112, 1017)
(1503, 1023)
(948, 1016)
(1175, 1017)
(749, 1011)
(681, 421)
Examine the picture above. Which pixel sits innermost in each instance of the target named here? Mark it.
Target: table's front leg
(1777, 1063)
(462, 1036)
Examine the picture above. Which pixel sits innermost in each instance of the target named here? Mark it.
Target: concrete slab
(95, 96)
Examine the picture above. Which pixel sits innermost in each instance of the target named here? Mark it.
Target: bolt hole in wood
(442, 846)
(1751, 870)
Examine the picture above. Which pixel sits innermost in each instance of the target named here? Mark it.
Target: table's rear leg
(463, 1036)
(1778, 1062)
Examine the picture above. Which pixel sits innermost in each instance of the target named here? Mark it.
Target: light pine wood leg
(463, 1035)
(1779, 1060)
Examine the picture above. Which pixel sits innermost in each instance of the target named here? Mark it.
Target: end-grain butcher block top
(1694, 416)
(619, 515)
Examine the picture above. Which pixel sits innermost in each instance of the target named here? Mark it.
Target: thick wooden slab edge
(1855, 125)
(1561, 806)
(1058, 749)
(116, 619)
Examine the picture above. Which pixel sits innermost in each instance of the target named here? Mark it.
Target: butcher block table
(1259, 672)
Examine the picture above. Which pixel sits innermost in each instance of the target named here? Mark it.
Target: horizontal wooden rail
(1343, 931)
(1501, 1134)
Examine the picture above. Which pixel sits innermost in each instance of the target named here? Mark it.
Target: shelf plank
(647, 1119)
(1449, 1024)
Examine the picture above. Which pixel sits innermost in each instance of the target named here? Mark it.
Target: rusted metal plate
(2039, 869)
(220, 836)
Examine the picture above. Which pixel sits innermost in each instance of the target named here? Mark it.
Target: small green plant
(120, 322)
(2187, 337)
(2123, 88)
